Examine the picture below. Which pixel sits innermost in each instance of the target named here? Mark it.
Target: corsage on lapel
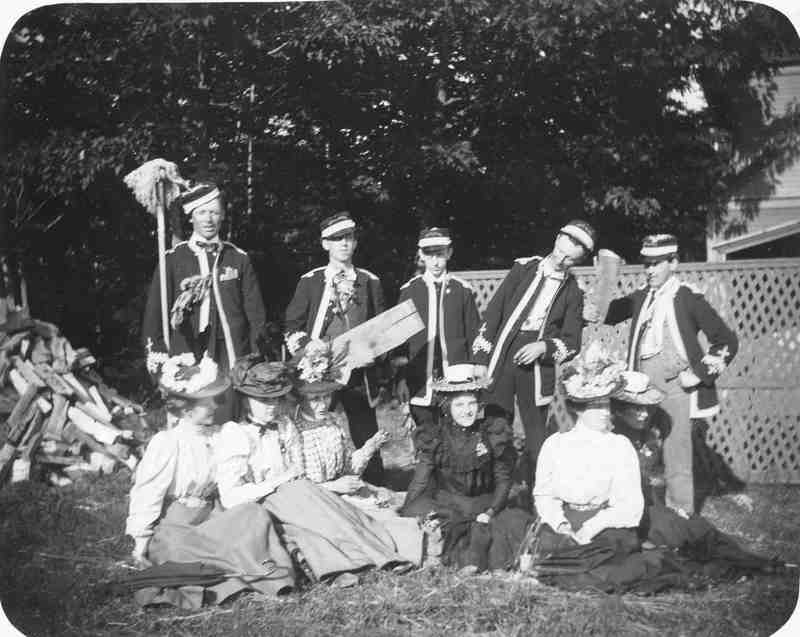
(193, 290)
(481, 449)
(229, 273)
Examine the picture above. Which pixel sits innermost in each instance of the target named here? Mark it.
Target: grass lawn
(59, 545)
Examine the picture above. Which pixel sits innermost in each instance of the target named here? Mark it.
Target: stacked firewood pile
(60, 417)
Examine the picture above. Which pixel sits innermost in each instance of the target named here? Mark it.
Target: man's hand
(688, 379)
(403, 395)
(529, 353)
(483, 518)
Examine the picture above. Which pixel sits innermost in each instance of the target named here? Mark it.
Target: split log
(17, 424)
(21, 385)
(5, 366)
(98, 401)
(83, 394)
(12, 342)
(91, 443)
(101, 432)
(24, 346)
(40, 353)
(111, 395)
(28, 372)
(57, 447)
(64, 461)
(53, 380)
(58, 418)
(84, 358)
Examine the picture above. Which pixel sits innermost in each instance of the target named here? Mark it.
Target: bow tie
(208, 246)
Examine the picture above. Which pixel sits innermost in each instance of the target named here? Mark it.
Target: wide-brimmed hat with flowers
(457, 379)
(593, 376)
(318, 370)
(184, 377)
(638, 390)
(254, 376)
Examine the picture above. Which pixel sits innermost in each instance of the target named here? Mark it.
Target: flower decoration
(182, 373)
(595, 374)
(319, 363)
(193, 290)
(344, 293)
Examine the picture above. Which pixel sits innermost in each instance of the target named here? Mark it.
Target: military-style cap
(198, 195)
(337, 225)
(434, 238)
(581, 232)
(658, 247)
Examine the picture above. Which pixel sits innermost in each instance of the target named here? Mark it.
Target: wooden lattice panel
(758, 431)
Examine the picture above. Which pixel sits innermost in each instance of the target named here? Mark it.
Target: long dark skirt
(241, 541)
(468, 542)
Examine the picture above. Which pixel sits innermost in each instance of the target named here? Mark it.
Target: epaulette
(410, 281)
(369, 274)
(176, 246)
(463, 282)
(311, 273)
(235, 247)
(526, 260)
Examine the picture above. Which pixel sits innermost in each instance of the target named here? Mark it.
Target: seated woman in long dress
(172, 515)
(331, 537)
(463, 476)
(591, 507)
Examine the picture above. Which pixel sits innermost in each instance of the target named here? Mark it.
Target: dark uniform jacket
(508, 309)
(454, 322)
(237, 321)
(310, 313)
(692, 314)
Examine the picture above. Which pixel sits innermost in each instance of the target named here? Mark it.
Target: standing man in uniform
(534, 321)
(214, 299)
(666, 318)
(329, 301)
(446, 305)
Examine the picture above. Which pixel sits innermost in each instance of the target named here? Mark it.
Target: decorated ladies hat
(434, 238)
(594, 376)
(256, 377)
(638, 390)
(337, 226)
(184, 377)
(198, 195)
(659, 247)
(318, 369)
(581, 232)
(459, 378)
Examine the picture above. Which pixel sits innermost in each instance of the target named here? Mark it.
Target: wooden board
(380, 334)
(53, 380)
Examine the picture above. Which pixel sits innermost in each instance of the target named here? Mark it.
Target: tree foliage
(500, 120)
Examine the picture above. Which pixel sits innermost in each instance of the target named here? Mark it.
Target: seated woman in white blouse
(588, 479)
(172, 517)
(260, 459)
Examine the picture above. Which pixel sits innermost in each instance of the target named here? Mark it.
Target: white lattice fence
(758, 431)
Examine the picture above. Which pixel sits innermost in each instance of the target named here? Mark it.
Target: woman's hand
(379, 439)
(527, 354)
(483, 518)
(139, 553)
(345, 485)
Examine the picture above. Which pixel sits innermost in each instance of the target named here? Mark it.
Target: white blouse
(589, 468)
(248, 454)
(178, 464)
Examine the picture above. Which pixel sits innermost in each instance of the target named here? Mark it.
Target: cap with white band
(198, 195)
(656, 246)
(336, 225)
(581, 232)
(434, 238)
